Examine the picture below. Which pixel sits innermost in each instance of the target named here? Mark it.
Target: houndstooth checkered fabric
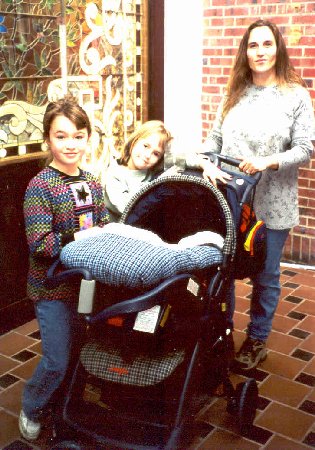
(123, 261)
(187, 180)
(106, 363)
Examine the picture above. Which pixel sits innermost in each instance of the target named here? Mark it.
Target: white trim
(297, 266)
(183, 72)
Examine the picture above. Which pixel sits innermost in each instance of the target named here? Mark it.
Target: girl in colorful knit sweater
(60, 201)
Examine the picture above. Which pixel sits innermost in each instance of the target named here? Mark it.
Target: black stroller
(156, 350)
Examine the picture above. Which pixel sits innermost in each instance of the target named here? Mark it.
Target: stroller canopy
(177, 206)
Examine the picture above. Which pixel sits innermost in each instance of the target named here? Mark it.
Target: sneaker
(29, 430)
(251, 353)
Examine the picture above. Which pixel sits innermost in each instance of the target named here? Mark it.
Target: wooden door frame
(156, 59)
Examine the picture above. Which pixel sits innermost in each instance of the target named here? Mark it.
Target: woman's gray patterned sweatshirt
(270, 120)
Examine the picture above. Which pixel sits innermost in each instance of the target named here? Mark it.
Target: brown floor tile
(306, 292)
(242, 304)
(37, 348)
(285, 273)
(304, 276)
(283, 324)
(12, 343)
(310, 367)
(280, 443)
(282, 343)
(9, 430)
(308, 324)
(309, 344)
(285, 291)
(10, 399)
(283, 390)
(306, 307)
(311, 397)
(223, 440)
(26, 370)
(282, 365)
(286, 421)
(242, 289)
(240, 321)
(284, 308)
(28, 327)
(7, 364)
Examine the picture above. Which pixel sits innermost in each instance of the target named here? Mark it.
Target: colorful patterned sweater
(55, 207)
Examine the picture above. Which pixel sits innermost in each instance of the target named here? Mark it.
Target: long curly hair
(241, 74)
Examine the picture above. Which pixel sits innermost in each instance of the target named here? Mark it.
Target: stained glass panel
(98, 59)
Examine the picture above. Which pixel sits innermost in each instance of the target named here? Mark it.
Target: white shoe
(29, 430)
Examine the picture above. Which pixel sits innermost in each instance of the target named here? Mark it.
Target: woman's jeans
(266, 288)
(59, 327)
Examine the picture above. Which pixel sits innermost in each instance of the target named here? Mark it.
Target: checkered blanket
(123, 261)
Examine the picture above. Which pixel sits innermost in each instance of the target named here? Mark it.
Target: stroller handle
(141, 302)
(217, 158)
(54, 278)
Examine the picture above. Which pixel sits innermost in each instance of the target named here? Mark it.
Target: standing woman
(59, 201)
(266, 120)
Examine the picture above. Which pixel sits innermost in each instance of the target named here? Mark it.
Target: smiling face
(67, 144)
(146, 153)
(261, 55)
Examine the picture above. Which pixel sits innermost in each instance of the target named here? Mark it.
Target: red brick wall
(224, 25)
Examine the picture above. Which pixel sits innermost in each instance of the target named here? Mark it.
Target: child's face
(67, 144)
(146, 153)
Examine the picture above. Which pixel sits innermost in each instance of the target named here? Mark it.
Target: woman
(266, 120)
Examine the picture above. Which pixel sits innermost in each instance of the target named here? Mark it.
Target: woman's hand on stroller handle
(252, 166)
(217, 158)
(257, 164)
(212, 172)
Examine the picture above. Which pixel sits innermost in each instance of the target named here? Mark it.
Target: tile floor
(285, 419)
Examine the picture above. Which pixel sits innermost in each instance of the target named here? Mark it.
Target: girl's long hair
(241, 74)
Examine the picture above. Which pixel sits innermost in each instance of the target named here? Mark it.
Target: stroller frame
(241, 402)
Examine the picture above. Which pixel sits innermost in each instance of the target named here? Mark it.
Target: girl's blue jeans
(266, 289)
(59, 327)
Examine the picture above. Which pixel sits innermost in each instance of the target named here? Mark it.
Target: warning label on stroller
(146, 321)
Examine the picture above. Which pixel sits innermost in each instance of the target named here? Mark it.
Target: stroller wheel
(246, 399)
